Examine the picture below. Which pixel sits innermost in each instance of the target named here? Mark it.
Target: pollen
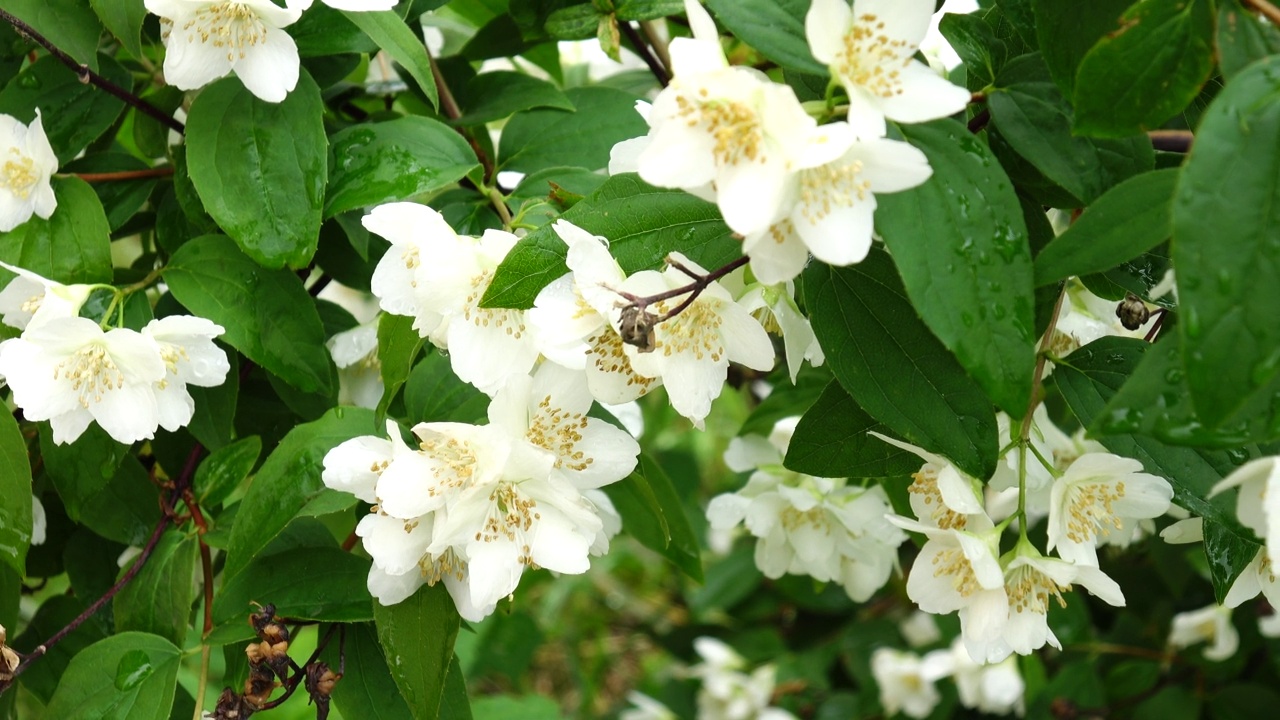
(1030, 591)
(559, 431)
(831, 187)
(92, 373)
(695, 331)
(871, 59)
(511, 516)
(229, 26)
(510, 321)
(604, 350)
(951, 563)
(18, 174)
(455, 466)
(735, 127)
(1090, 507)
(925, 485)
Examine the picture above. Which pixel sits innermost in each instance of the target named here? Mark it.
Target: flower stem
(1037, 391)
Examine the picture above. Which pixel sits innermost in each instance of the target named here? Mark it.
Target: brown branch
(1178, 141)
(642, 49)
(979, 121)
(1271, 12)
(156, 172)
(637, 323)
(89, 76)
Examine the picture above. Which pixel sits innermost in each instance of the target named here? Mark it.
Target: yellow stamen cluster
(92, 373)
(1030, 590)
(952, 563)
(1089, 507)
(736, 129)
(873, 60)
(559, 431)
(925, 485)
(18, 174)
(232, 26)
(695, 330)
(510, 320)
(604, 349)
(831, 186)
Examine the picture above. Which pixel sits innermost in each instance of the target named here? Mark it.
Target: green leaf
(391, 33)
(647, 9)
(1035, 119)
(223, 471)
(398, 347)
(901, 374)
(260, 168)
(1242, 38)
(288, 480)
(1128, 220)
(68, 24)
(1229, 552)
(213, 423)
(121, 199)
(496, 95)
(417, 637)
(1226, 215)
(325, 31)
(101, 485)
(15, 495)
(832, 440)
(41, 678)
(128, 676)
(556, 182)
(124, 19)
(538, 139)
(325, 584)
(786, 400)
(395, 160)
(72, 246)
(367, 690)
(267, 314)
(1068, 29)
(974, 40)
(72, 113)
(1136, 78)
(774, 27)
(158, 600)
(576, 22)
(653, 514)
(433, 393)
(643, 225)
(971, 283)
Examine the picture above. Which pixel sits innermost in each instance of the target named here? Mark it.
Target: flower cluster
(26, 164)
(821, 527)
(71, 371)
(474, 506)
(908, 681)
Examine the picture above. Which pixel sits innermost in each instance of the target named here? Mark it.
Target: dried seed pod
(1133, 313)
(636, 328)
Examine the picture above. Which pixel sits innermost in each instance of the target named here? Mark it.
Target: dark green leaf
(308, 583)
(1242, 38)
(647, 9)
(538, 139)
(72, 246)
(971, 283)
(1128, 220)
(391, 33)
(576, 22)
(1229, 551)
(1135, 276)
(124, 19)
(1067, 29)
(73, 114)
(260, 168)
(15, 495)
(149, 134)
(224, 470)
(774, 27)
(68, 24)
(652, 513)
(102, 486)
(900, 373)
(643, 225)
(325, 31)
(267, 314)
(832, 441)
(786, 400)
(729, 581)
(1035, 120)
(41, 678)
(214, 418)
(433, 393)
(121, 199)
(129, 676)
(394, 160)
(455, 704)
(975, 42)
(1136, 78)
(496, 95)
(555, 183)
(367, 690)
(158, 600)
(1225, 218)
(417, 637)
(398, 347)
(288, 480)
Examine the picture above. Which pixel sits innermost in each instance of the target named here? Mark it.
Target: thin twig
(1270, 11)
(88, 76)
(1178, 141)
(163, 171)
(292, 683)
(657, 42)
(449, 106)
(979, 121)
(693, 289)
(642, 49)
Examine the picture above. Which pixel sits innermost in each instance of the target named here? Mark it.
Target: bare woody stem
(164, 171)
(1271, 12)
(693, 289)
(657, 42)
(89, 76)
(642, 49)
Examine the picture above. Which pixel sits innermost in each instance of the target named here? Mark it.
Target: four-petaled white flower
(906, 681)
(1099, 496)
(26, 164)
(207, 39)
(29, 299)
(190, 357)
(1211, 624)
(355, 352)
(869, 49)
(941, 494)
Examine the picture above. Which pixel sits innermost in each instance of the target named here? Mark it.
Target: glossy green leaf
(786, 400)
(367, 690)
(774, 27)
(832, 440)
(538, 139)
(971, 282)
(288, 480)
(129, 676)
(901, 374)
(214, 418)
(402, 43)
(433, 393)
(72, 113)
(1228, 552)
(417, 638)
(1128, 220)
(219, 474)
(102, 486)
(123, 18)
(1068, 29)
(1153, 66)
(398, 346)
(121, 199)
(15, 495)
(1225, 218)
(576, 22)
(496, 95)
(69, 24)
(1242, 38)
(643, 225)
(394, 160)
(555, 183)
(647, 9)
(267, 314)
(325, 584)
(975, 41)
(159, 598)
(72, 246)
(260, 168)
(41, 679)
(1035, 120)
(653, 514)
(326, 31)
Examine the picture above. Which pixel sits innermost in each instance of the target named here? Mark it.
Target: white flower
(1258, 502)
(832, 207)
(39, 521)
(70, 372)
(692, 350)
(30, 299)
(645, 708)
(996, 689)
(920, 629)
(906, 682)
(728, 693)
(355, 352)
(1101, 495)
(351, 5)
(1187, 530)
(395, 279)
(1257, 577)
(941, 494)
(207, 39)
(26, 164)
(869, 49)
(1211, 624)
(775, 307)
(190, 357)
(1269, 625)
